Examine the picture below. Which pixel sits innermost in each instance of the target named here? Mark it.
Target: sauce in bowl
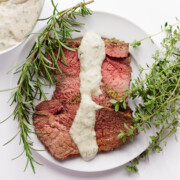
(17, 19)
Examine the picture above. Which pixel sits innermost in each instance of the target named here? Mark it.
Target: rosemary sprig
(160, 92)
(37, 70)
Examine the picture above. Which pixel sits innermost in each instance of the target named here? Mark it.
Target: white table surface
(149, 15)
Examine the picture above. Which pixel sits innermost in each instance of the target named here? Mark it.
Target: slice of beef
(116, 74)
(56, 122)
(67, 89)
(73, 64)
(116, 48)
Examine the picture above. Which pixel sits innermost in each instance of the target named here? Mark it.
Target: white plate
(107, 25)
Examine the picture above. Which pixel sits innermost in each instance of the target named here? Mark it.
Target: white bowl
(18, 44)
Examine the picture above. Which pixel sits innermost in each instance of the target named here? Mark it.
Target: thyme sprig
(164, 28)
(37, 70)
(160, 92)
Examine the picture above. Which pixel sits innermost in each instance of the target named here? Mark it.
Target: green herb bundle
(160, 92)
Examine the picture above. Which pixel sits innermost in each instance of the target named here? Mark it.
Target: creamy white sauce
(17, 19)
(91, 54)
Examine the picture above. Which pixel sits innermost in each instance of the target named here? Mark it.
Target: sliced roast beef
(54, 118)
